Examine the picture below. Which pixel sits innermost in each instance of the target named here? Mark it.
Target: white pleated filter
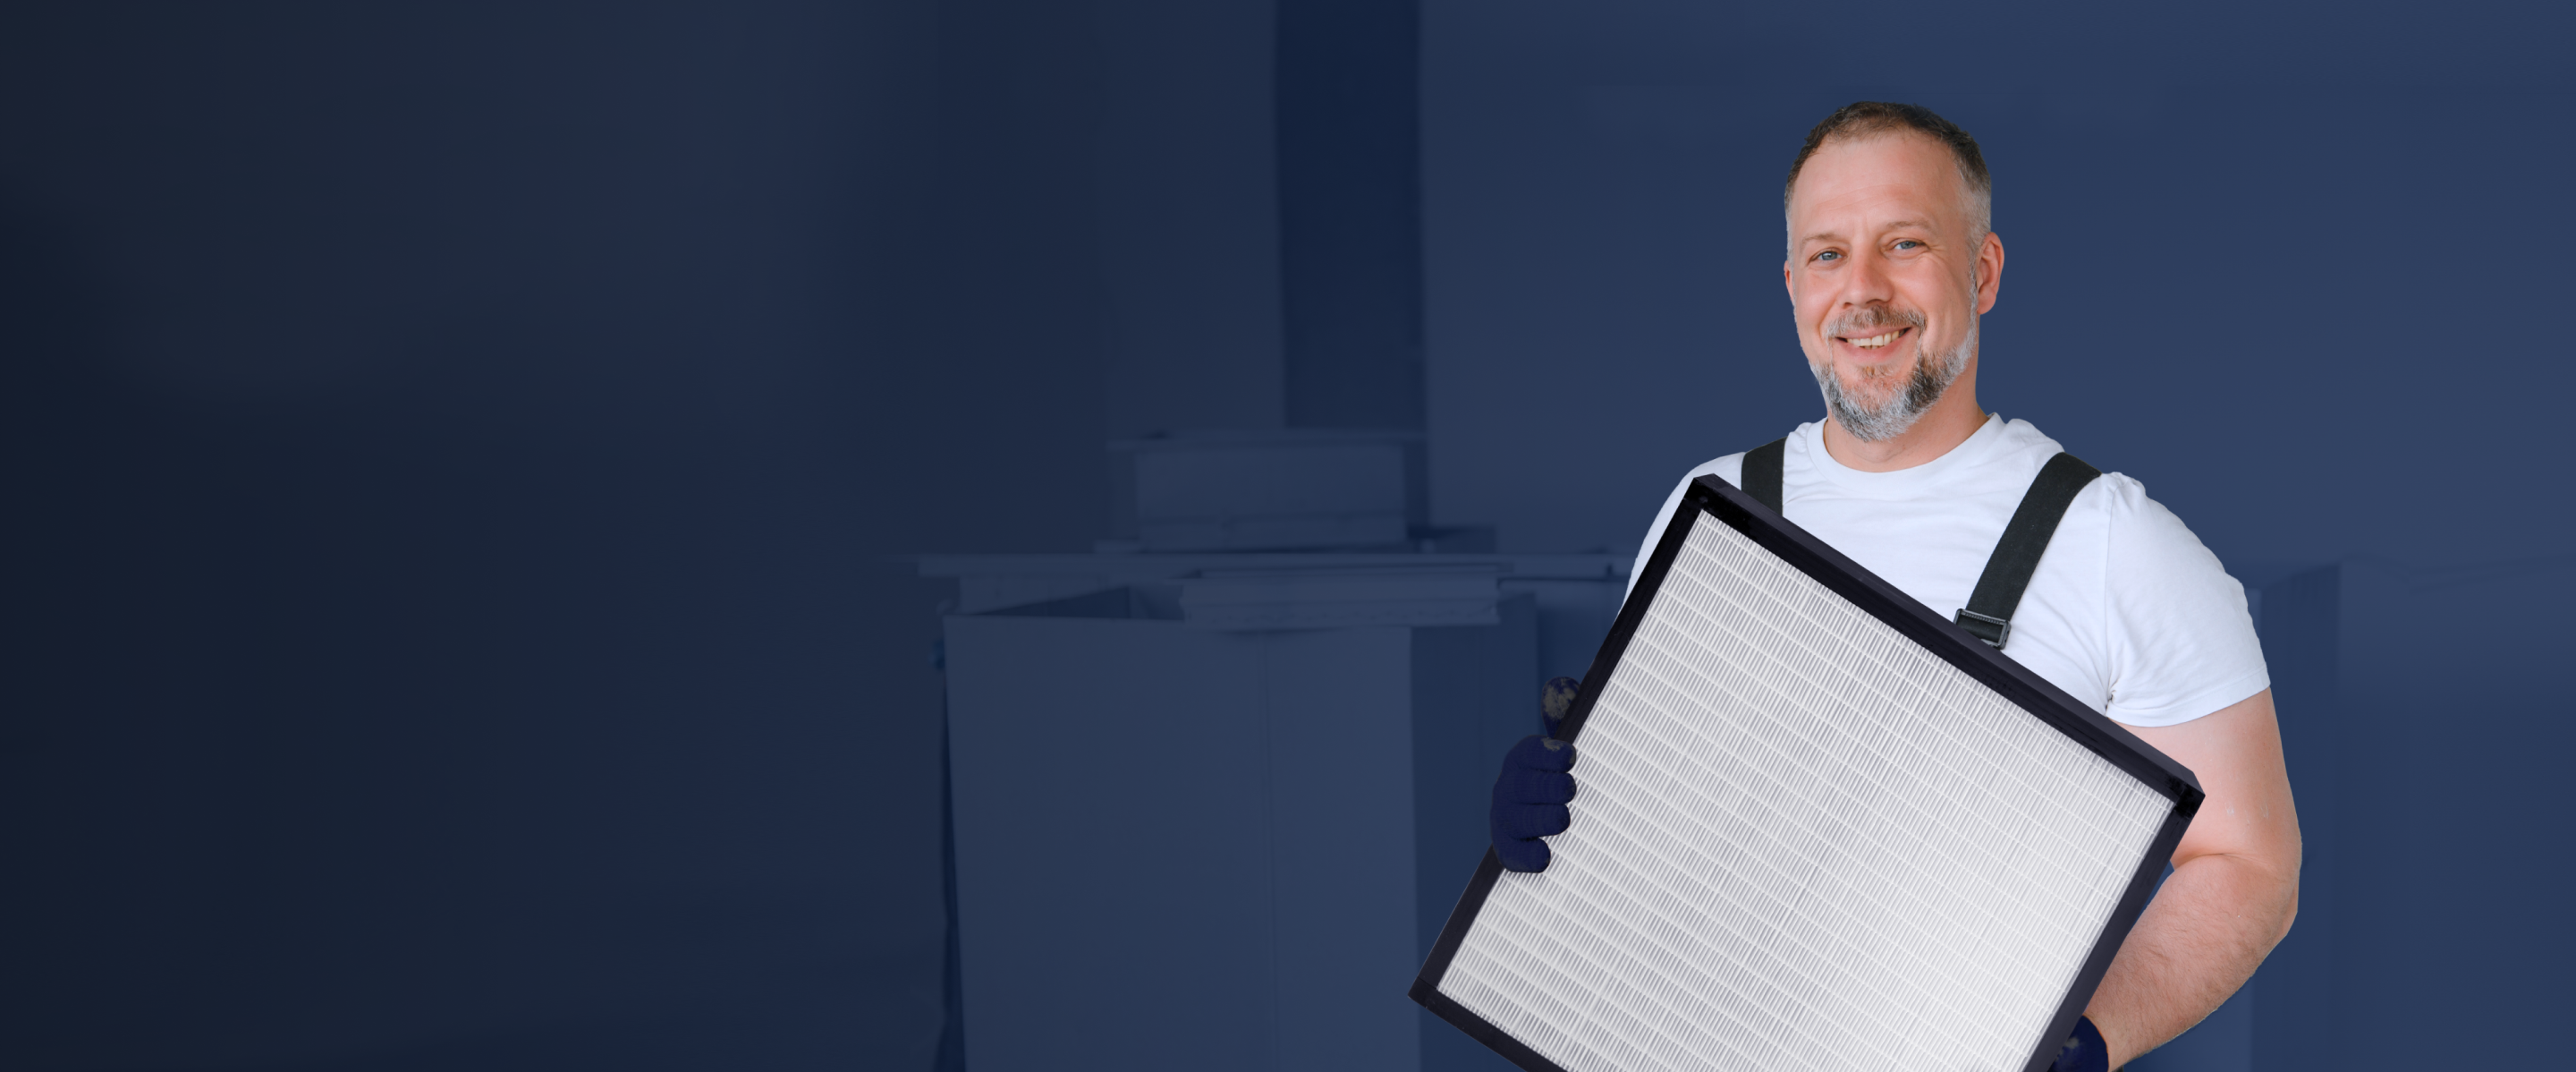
(1801, 841)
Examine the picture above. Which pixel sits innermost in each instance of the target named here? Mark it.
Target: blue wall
(456, 452)
(2252, 257)
(2250, 253)
(447, 480)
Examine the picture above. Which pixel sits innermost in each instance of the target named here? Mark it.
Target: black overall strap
(1990, 608)
(1762, 467)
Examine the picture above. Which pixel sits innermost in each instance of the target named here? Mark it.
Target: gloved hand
(1529, 801)
(2083, 1051)
(1530, 797)
(1555, 701)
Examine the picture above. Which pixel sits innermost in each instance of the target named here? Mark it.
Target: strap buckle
(1994, 631)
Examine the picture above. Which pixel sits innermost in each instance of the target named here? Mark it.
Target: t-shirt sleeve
(2182, 642)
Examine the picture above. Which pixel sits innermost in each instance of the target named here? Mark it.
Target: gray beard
(1889, 419)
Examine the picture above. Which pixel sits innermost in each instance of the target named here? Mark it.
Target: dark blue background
(456, 454)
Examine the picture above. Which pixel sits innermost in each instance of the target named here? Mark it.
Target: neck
(1942, 428)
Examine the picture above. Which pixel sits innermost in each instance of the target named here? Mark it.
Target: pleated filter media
(1803, 839)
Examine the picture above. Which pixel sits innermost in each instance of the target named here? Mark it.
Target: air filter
(1818, 827)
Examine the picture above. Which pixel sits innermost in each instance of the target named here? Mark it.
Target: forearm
(2205, 933)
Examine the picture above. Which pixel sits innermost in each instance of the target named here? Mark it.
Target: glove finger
(1521, 785)
(1515, 821)
(1541, 753)
(1555, 700)
(1523, 855)
(2083, 1051)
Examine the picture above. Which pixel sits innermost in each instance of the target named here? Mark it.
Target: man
(1892, 258)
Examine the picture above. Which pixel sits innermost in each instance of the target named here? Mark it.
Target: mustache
(1873, 316)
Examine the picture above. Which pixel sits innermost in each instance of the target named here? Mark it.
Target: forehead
(1856, 183)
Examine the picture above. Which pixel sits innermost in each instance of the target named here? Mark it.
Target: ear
(1789, 280)
(1990, 272)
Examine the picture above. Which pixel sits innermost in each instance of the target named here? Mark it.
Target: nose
(1866, 280)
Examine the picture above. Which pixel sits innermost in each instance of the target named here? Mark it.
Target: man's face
(1886, 282)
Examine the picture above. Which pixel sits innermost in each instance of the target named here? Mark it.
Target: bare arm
(2234, 888)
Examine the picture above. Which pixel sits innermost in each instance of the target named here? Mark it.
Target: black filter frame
(1716, 498)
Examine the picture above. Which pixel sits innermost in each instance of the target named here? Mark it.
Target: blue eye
(1907, 242)
(1830, 255)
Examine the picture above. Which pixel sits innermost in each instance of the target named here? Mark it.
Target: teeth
(1876, 341)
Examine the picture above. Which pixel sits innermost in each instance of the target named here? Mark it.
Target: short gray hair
(1861, 119)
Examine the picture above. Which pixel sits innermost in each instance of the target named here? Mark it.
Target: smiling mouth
(1876, 341)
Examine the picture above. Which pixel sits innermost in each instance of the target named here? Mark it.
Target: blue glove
(1555, 701)
(1530, 797)
(2083, 1051)
(1529, 801)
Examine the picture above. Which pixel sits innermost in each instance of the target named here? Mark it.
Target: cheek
(1941, 295)
(1811, 307)
(1811, 327)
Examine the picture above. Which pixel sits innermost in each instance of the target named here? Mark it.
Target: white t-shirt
(2127, 612)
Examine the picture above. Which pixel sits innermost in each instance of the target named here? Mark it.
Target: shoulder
(2114, 499)
(2134, 521)
(2181, 637)
(2128, 529)
(2020, 446)
(1729, 468)
(1726, 467)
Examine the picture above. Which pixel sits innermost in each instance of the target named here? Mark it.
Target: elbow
(2285, 908)
(2290, 892)
(2265, 895)
(2289, 915)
